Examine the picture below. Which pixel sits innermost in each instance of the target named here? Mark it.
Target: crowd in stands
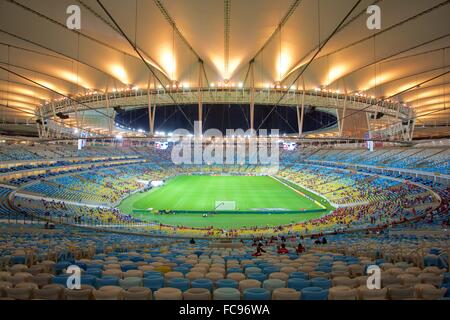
(367, 199)
(435, 159)
(394, 221)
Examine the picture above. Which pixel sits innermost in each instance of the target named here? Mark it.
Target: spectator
(300, 249)
(282, 249)
(259, 251)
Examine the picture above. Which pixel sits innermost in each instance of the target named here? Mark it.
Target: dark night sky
(224, 117)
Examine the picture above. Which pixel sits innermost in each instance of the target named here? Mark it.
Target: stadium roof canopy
(227, 43)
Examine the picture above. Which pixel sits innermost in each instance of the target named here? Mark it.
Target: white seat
(3, 286)
(113, 272)
(20, 293)
(52, 293)
(279, 275)
(42, 279)
(341, 293)
(285, 294)
(168, 294)
(137, 293)
(365, 293)
(226, 294)
(431, 278)
(197, 294)
(399, 292)
(236, 276)
(214, 276)
(408, 279)
(194, 275)
(344, 281)
(429, 292)
(133, 274)
(172, 275)
(78, 294)
(130, 282)
(249, 283)
(108, 293)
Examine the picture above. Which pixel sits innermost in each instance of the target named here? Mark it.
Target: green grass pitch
(199, 193)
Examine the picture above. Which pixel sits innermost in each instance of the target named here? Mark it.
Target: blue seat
(447, 286)
(94, 272)
(232, 270)
(256, 294)
(60, 266)
(179, 283)
(257, 276)
(18, 259)
(202, 283)
(298, 274)
(183, 270)
(314, 293)
(136, 259)
(127, 267)
(153, 282)
(435, 251)
(226, 283)
(321, 283)
(446, 277)
(88, 279)
(323, 269)
(81, 265)
(298, 283)
(152, 274)
(379, 261)
(106, 281)
(430, 261)
(94, 266)
(269, 270)
(61, 279)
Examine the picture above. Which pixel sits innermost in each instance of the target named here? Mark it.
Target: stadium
(224, 150)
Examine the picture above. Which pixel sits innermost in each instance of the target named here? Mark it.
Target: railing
(262, 96)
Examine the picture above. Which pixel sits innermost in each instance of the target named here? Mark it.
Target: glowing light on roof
(283, 62)
(335, 73)
(168, 62)
(120, 73)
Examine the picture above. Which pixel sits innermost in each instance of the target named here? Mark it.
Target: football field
(237, 200)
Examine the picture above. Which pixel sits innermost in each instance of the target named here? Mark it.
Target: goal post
(223, 205)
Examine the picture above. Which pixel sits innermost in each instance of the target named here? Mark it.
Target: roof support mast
(252, 97)
(300, 116)
(151, 108)
(200, 97)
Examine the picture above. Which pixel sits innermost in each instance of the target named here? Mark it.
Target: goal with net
(222, 205)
